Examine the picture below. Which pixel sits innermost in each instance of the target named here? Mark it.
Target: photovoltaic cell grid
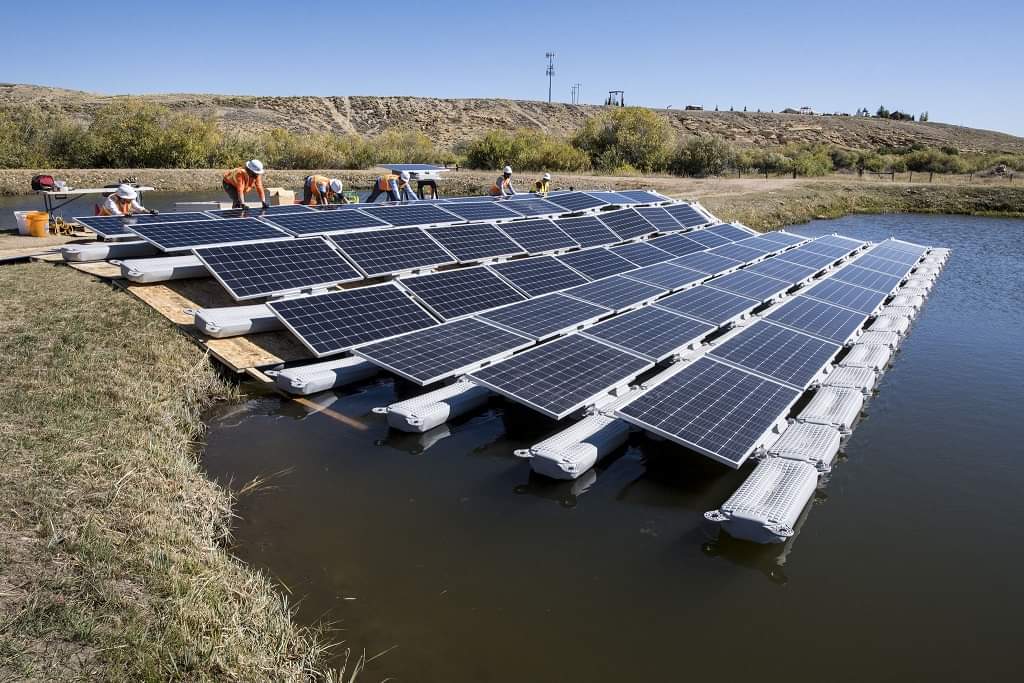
(537, 276)
(587, 231)
(762, 244)
(641, 196)
(538, 236)
(706, 263)
(255, 270)
(666, 276)
(323, 222)
(576, 201)
(711, 305)
(561, 376)
(418, 213)
(819, 246)
(617, 292)
(382, 252)
(677, 245)
(481, 211)
(336, 322)
(806, 258)
(782, 270)
(475, 242)
(535, 206)
(257, 212)
(650, 332)
(659, 218)
(730, 232)
(454, 293)
(110, 226)
(785, 355)
(718, 410)
(687, 216)
(619, 199)
(750, 285)
(786, 239)
(596, 263)
(181, 236)
(627, 223)
(846, 295)
(818, 318)
(642, 254)
(737, 252)
(545, 316)
(893, 254)
(882, 265)
(443, 351)
(868, 279)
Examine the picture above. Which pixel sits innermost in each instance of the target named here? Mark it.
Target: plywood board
(100, 269)
(257, 350)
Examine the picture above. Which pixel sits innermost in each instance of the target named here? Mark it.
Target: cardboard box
(279, 195)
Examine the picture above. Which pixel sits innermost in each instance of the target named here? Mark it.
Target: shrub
(629, 135)
(524, 149)
(702, 155)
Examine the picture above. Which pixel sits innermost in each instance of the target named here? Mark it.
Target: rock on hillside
(449, 121)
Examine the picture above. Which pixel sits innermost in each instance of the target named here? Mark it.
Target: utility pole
(550, 71)
(577, 92)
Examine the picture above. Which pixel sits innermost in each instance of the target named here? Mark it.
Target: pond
(445, 553)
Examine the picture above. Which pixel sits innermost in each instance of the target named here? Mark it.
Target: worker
(543, 186)
(124, 202)
(320, 189)
(240, 180)
(503, 185)
(396, 186)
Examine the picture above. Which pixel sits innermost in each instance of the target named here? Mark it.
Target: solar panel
(818, 318)
(892, 254)
(788, 356)
(545, 316)
(443, 351)
(882, 265)
(677, 245)
(650, 332)
(710, 305)
(324, 222)
(659, 218)
(475, 242)
(706, 263)
(182, 236)
(537, 276)
(481, 211)
(587, 231)
(729, 231)
(687, 216)
(338, 207)
(846, 295)
(627, 223)
(576, 201)
(737, 252)
(454, 293)
(847, 243)
(708, 240)
(111, 226)
(714, 409)
(561, 376)
(538, 236)
(641, 196)
(782, 270)
(642, 254)
(819, 247)
(416, 213)
(250, 212)
(868, 279)
(382, 252)
(750, 285)
(761, 244)
(255, 270)
(336, 322)
(535, 206)
(617, 198)
(616, 292)
(786, 239)
(666, 276)
(806, 258)
(908, 247)
(596, 263)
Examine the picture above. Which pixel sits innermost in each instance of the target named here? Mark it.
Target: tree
(631, 136)
(924, 117)
(703, 155)
(882, 112)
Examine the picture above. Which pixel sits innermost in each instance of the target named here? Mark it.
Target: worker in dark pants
(239, 181)
(319, 189)
(502, 187)
(397, 188)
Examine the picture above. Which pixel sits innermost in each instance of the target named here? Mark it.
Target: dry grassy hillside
(449, 121)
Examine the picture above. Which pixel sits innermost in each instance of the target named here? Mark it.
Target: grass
(112, 557)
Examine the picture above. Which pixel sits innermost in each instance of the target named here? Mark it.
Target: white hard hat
(255, 165)
(126, 192)
(508, 170)
(547, 176)
(336, 185)
(404, 175)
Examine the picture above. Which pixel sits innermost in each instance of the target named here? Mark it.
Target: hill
(450, 121)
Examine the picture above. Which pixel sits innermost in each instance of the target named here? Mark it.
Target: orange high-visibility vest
(506, 183)
(125, 205)
(384, 182)
(315, 181)
(241, 179)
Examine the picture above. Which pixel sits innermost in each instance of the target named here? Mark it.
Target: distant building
(694, 107)
(807, 110)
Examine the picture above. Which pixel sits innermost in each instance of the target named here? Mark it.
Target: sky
(961, 62)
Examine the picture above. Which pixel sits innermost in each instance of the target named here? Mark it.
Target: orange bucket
(38, 223)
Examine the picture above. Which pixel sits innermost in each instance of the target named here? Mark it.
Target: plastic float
(232, 321)
(103, 251)
(303, 380)
(834, 407)
(426, 411)
(816, 444)
(162, 269)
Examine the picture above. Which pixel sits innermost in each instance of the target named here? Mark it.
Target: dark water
(445, 547)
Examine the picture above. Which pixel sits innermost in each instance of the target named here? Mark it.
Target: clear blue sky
(961, 61)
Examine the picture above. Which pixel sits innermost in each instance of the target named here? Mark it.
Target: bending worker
(243, 179)
(319, 189)
(124, 202)
(543, 186)
(397, 187)
(503, 185)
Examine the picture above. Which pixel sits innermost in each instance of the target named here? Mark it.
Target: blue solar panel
(616, 292)
(482, 211)
(737, 252)
(596, 263)
(616, 198)
(538, 236)
(708, 240)
(688, 216)
(475, 242)
(706, 263)
(113, 226)
(711, 305)
(818, 318)
(730, 232)
(897, 255)
(416, 213)
(785, 355)
(651, 332)
(750, 285)
(576, 201)
(819, 247)
(806, 258)
(545, 316)
(249, 212)
(782, 270)
(641, 196)
(642, 253)
(882, 265)
(666, 275)
(535, 206)
(323, 222)
(659, 218)
(383, 252)
(868, 279)
(455, 293)
(786, 239)
(761, 244)
(537, 276)
(627, 223)
(183, 236)
(587, 231)
(846, 295)
(677, 245)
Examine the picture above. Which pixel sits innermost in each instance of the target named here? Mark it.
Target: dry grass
(112, 560)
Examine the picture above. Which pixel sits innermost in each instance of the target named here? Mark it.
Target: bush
(702, 155)
(628, 135)
(526, 149)
(811, 160)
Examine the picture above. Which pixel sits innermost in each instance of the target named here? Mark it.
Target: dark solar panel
(782, 270)
(538, 236)
(750, 285)
(182, 236)
(642, 253)
(335, 322)
(737, 252)
(616, 292)
(616, 198)
(416, 213)
(482, 211)
(666, 276)
(443, 351)
(706, 263)
(708, 240)
(711, 305)
(846, 295)
(545, 316)
(651, 332)
(249, 212)
(882, 265)
(324, 222)
(587, 231)
(788, 356)
(561, 376)
(596, 263)
(255, 270)
(534, 206)
(868, 279)
(677, 245)
(659, 218)
(112, 226)
(818, 318)
(720, 411)
(730, 232)
(761, 244)
(576, 201)
(641, 196)
(627, 223)
(382, 252)
(475, 242)
(806, 258)
(687, 216)
(537, 276)
(454, 293)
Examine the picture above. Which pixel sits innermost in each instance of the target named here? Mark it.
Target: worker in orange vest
(319, 189)
(397, 188)
(244, 179)
(502, 187)
(124, 202)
